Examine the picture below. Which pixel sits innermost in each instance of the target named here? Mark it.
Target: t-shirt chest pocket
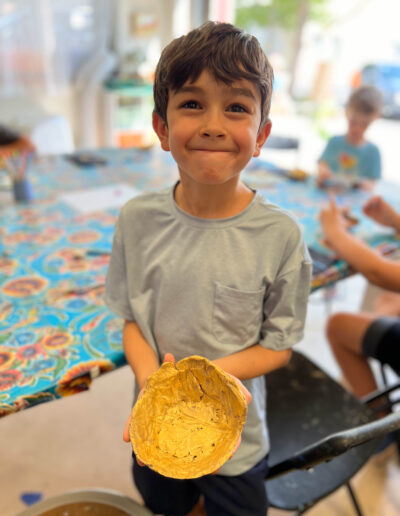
(237, 315)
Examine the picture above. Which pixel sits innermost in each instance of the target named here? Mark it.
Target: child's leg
(387, 303)
(198, 509)
(164, 495)
(241, 495)
(345, 334)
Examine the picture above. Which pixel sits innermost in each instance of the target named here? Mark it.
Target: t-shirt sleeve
(329, 154)
(285, 306)
(116, 295)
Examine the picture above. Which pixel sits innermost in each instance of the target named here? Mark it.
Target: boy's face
(358, 123)
(212, 128)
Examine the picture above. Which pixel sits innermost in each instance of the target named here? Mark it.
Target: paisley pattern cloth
(55, 332)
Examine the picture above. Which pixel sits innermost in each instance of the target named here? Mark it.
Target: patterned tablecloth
(55, 332)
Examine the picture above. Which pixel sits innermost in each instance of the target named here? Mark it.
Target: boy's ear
(161, 129)
(262, 136)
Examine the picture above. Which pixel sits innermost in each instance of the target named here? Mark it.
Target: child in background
(208, 266)
(11, 142)
(351, 155)
(355, 337)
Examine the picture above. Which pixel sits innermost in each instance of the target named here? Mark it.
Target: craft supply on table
(17, 164)
(23, 191)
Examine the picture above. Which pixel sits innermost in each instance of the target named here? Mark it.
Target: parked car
(385, 77)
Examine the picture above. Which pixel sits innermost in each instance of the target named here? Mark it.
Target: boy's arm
(379, 210)
(254, 361)
(139, 355)
(377, 269)
(285, 307)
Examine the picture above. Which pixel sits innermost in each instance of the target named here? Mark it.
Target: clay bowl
(188, 419)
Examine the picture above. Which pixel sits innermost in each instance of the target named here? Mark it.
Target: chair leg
(354, 499)
(383, 375)
(357, 507)
(397, 441)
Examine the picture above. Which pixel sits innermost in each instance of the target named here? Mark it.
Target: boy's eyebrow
(236, 91)
(243, 91)
(189, 89)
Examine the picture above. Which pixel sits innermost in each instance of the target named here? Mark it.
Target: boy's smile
(213, 129)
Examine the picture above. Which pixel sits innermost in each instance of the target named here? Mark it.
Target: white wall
(362, 32)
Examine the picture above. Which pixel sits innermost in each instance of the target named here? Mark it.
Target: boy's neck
(213, 201)
(356, 142)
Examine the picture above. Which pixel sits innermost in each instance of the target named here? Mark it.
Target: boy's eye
(237, 108)
(191, 104)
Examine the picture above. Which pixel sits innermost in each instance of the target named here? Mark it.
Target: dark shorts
(382, 341)
(242, 495)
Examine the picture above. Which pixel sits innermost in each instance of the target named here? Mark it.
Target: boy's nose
(213, 128)
(213, 133)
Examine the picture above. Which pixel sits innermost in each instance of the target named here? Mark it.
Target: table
(304, 200)
(56, 335)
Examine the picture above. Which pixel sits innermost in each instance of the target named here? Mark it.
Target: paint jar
(23, 191)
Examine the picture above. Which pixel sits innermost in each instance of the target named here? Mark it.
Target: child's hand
(246, 393)
(379, 210)
(367, 185)
(247, 396)
(168, 357)
(350, 219)
(332, 221)
(324, 173)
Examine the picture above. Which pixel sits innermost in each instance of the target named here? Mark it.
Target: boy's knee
(334, 326)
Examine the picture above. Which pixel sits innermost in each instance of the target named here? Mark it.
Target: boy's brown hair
(366, 100)
(227, 52)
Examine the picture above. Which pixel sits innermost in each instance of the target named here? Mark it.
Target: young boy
(351, 154)
(356, 337)
(208, 266)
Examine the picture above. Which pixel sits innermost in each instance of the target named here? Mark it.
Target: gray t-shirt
(212, 287)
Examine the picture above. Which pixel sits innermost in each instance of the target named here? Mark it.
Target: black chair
(383, 398)
(321, 435)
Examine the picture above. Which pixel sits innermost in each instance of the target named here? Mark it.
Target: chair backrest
(383, 394)
(305, 407)
(336, 444)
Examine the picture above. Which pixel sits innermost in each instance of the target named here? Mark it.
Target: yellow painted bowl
(188, 419)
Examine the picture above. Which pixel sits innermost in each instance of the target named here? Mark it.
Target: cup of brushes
(17, 165)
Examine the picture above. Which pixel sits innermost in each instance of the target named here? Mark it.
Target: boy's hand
(367, 185)
(168, 357)
(332, 221)
(324, 173)
(246, 393)
(247, 396)
(379, 210)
